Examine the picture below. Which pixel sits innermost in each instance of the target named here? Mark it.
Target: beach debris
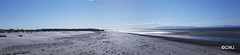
(20, 35)
(3, 36)
(106, 41)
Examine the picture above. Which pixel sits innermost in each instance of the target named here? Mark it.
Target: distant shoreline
(199, 41)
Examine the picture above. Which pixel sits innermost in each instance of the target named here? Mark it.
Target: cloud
(105, 0)
(144, 24)
(90, 0)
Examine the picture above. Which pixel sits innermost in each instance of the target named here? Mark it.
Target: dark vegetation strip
(38, 30)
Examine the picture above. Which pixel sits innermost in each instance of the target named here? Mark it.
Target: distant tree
(2, 31)
(11, 29)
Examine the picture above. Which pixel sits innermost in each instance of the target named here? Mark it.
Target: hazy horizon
(107, 14)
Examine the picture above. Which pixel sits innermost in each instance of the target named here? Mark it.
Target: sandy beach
(99, 43)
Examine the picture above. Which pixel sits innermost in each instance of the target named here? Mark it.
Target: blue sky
(30, 14)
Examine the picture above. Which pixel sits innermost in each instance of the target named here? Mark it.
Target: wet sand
(100, 43)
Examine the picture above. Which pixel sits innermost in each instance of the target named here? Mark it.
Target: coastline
(101, 43)
(203, 42)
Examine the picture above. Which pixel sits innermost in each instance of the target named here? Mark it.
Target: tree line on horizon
(38, 30)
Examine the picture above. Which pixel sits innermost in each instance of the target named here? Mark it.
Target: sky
(34, 14)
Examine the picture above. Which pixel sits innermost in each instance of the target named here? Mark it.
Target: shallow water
(206, 37)
(227, 37)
